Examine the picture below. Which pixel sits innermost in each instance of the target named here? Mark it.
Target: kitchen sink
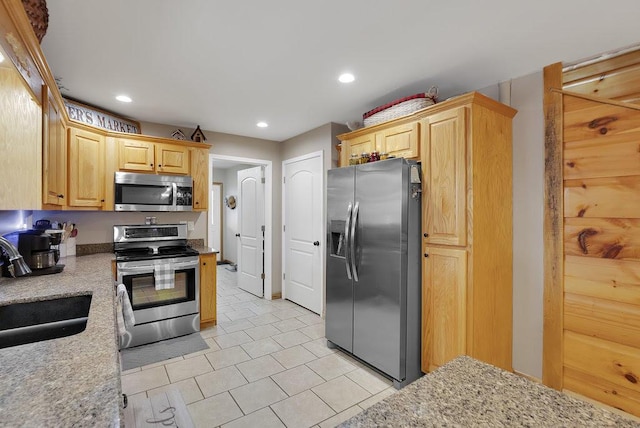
(30, 322)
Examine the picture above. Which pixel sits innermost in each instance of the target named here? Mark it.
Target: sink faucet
(17, 265)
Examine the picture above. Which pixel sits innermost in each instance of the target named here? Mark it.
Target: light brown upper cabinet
(86, 168)
(199, 173)
(358, 145)
(54, 153)
(145, 156)
(400, 141)
(467, 231)
(444, 162)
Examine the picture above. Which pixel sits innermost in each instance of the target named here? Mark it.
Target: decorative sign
(100, 118)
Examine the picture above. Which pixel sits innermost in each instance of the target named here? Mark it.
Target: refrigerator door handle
(346, 241)
(352, 244)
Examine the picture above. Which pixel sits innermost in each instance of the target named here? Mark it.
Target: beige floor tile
(162, 363)
(289, 325)
(212, 331)
(188, 368)
(319, 347)
(261, 347)
(302, 410)
(284, 314)
(331, 366)
(222, 318)
(264, 319)
(261, 309)
(340, 417)
(257, 395)
(294, 356)
(369, 380)
(260, 368)
(297, 380)
(310, 319)
(315, 331)
(188, 388)
(291, 338)
(232, 339)
(238, 325)
(341, 393)
(376, 398)
(227, 357)
(222, 380)
(262, 331)
(264, 418)
(133, 370)
(144, 380)
(214, 411)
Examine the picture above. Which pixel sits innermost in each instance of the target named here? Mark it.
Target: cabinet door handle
(426, 255)
(159, 166)
(426, 235)
(61, 196)
(204, 263)
(150, 164)
(197, 202)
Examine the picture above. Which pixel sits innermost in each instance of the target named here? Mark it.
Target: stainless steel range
(162, 276)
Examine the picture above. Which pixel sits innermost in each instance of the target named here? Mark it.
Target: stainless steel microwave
(151, 192)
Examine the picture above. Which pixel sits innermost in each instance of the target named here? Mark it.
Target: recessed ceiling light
(123, 98)
(346, 78)
(262, 124)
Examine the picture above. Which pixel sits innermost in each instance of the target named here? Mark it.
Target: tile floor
(267, 365)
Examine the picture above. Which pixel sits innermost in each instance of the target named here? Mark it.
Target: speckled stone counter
(466, 392)
(204, 250)
(70, 381)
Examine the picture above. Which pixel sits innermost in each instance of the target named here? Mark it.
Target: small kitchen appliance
(39, 250)
(148, 258)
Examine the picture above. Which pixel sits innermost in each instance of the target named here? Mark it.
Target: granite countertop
(205, 250)
(70, 381)
(467, 392)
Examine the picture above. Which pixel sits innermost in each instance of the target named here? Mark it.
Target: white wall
(528, 203)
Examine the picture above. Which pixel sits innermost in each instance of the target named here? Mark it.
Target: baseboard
(601, 405)
(529, 377)
(275, 296)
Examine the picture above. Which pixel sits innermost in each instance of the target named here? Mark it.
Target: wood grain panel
(609, 156)
(172, 159)
(598, 68)
(604, 319)
(399, 141)
(587, 119)
(208, 283)
(136, 156)
(358, 145)
(617, 280)
(490, 237)
(612, 362)
(603, 197)
(54, 153)
(86, 168)
(444, 140)
(622, 84)
(609, 238)
(446, 331)
(552, 227)
(599, 389)
(200, 174)
(20, 144)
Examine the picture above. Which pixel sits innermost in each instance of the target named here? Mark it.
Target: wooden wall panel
(617, 280)
(610, 238)
(609, 156)
(604, 319)
(612, 362)
(599, 389)
(603, 197)
(586, 119)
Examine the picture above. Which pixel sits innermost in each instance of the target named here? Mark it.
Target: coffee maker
(40, 252)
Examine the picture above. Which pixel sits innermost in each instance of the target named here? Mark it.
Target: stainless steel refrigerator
(373, 265)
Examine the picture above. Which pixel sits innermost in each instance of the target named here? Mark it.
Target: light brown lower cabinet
(208, 285)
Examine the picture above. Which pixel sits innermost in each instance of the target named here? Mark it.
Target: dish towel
(124, 311)
(164, 273)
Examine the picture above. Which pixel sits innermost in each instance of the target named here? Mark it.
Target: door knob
(237, 235)
(316, 243)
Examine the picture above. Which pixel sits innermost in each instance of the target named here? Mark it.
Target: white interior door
(215, 219)
(303, 231)
(251, 230)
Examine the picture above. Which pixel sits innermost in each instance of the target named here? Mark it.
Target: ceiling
(226, 65)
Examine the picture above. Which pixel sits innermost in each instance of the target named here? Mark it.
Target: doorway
(224, 169)
(216, 225)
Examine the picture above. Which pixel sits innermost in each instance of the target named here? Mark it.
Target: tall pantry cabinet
(466, 154)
